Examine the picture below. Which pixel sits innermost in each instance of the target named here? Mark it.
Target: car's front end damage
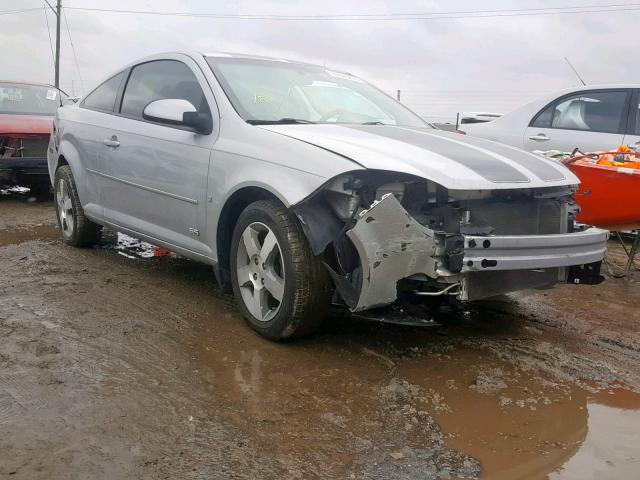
(26, 119)
(22, 153)
(385, 235)
(23, 149)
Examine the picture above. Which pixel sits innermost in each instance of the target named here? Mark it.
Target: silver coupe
(304, 186)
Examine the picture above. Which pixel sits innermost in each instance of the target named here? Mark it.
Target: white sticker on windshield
(51, 94)
(344, 76)
(14, 94)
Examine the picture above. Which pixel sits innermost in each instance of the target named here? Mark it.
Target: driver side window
(158, 80)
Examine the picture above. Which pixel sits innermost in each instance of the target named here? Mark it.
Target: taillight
(461, 132)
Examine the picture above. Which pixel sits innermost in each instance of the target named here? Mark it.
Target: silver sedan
(304, 186)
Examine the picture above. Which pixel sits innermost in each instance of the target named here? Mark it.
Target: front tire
(281, 288)
(77, 230)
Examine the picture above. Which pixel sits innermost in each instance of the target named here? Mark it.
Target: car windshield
(24, 99)
(271, 91)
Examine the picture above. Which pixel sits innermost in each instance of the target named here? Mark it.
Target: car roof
(252, 57)
(600, 86)
(272, 59)
(37, 84)
(21, 82)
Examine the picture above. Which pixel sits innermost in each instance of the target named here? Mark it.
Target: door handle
(111, 142)
(541, 137)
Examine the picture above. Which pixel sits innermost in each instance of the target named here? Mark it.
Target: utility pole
(58, 13)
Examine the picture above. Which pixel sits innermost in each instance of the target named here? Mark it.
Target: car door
(157, 179)
(632, 137)
(590, 120)
(96, 113)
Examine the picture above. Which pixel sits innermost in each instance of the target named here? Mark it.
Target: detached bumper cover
(393, 246)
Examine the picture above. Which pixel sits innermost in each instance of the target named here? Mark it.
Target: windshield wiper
(282, 121)
(373, 123)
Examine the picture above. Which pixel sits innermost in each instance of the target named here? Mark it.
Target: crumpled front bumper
(393, 246)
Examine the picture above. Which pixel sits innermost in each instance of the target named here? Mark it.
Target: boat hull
(609, 196)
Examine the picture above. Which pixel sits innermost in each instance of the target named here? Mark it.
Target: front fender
(86, 183)
(231, 173)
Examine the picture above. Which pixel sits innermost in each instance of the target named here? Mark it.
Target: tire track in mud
(96, 370)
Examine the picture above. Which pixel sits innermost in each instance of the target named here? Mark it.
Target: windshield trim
(244, 115)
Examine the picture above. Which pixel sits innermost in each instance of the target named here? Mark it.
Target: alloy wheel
(260, 271)
(65, 208)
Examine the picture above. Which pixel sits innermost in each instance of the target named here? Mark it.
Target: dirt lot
(117, 366)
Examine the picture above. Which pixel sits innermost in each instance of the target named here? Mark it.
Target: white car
(591, 118)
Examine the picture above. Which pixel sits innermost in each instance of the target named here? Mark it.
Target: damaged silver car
(305, 187)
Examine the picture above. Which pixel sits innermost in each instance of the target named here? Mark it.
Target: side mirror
(176, 111)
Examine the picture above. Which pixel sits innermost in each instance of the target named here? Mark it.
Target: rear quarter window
(544, 118)
(103, 98)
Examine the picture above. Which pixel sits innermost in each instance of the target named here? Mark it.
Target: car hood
(452, 160)
(25, 125)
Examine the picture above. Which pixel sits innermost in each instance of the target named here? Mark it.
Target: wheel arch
(233, 207)
(68, 154)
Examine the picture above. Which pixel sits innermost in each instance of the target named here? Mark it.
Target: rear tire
(77, 230)
(281, 288)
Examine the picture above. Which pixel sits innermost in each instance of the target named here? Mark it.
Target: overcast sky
(441, 66)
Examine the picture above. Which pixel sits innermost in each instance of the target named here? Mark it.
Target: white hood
(452, 160)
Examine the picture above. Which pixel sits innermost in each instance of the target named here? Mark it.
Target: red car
(26, 119)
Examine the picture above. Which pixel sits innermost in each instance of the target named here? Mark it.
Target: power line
(73, 49)
(618, 7)
(46, 18)
(9, 12)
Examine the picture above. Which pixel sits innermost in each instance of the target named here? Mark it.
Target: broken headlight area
(381, 233)
(23, 147)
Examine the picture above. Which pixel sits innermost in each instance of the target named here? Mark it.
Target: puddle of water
(611, 448)
(36, 232)
(523, 426)
(518, 425)
(339, 404)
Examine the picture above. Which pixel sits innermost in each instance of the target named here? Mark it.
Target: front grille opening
(23, 147)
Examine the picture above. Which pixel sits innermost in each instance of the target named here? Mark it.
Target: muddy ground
(117, 366)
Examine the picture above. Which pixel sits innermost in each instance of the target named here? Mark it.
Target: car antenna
(575, 71)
